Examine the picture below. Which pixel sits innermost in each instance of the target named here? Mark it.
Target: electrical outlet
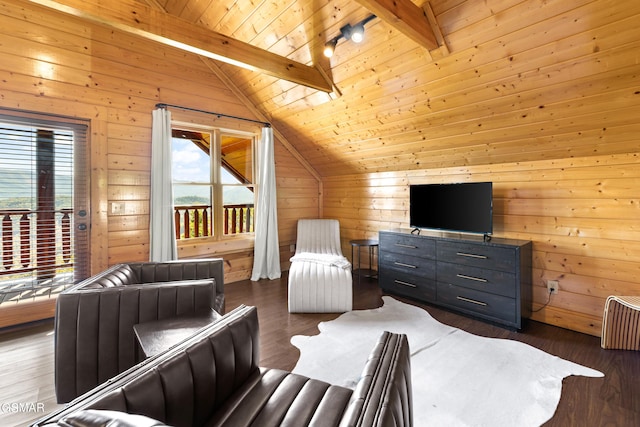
(117, 208)
(553, 286)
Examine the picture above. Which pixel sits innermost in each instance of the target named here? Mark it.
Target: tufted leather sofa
(94, 337)
(213, 379)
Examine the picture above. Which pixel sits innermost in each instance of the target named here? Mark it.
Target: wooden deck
(613, 400)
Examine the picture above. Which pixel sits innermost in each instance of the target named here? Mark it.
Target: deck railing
(30, 242)
(195, 220)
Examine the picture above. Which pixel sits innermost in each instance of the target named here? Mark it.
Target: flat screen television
(462, 207)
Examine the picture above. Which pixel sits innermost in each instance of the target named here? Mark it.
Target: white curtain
(162, 246)
(266, 255)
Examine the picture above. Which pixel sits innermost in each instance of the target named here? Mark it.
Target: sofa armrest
(383, 396)
(115, 276)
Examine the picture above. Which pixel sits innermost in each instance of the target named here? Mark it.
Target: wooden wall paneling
(26, 311)
(580, 213)
(128, 253)
(127, 223)
(99, 188)
(129, 238)
(128, 146)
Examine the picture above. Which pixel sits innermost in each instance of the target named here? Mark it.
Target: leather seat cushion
(273, 397)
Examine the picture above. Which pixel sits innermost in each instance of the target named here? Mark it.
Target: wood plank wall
(581, 214)
(53, 63)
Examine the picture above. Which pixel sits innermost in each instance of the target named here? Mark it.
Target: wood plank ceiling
(436, 83)
(310, 119)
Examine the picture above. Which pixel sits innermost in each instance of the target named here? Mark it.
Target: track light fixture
(354, 33)
(329, 47)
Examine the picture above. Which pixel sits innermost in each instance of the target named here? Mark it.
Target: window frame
(215, 179)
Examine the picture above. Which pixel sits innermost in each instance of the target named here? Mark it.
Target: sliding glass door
(43, 206)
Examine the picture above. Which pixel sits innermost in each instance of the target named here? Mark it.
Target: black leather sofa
(213, 379)
(94, 337)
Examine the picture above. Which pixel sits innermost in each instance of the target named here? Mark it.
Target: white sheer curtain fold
(162, 245)
(266, 257)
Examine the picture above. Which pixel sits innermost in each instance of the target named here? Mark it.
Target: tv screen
(463, 207)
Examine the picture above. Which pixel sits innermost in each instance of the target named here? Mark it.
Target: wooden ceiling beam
(406, 17)
(135, 18)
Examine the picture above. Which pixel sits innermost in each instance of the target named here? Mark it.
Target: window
(43, 205)
(213, 183)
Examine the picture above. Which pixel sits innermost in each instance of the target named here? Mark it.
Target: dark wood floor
(610, 401)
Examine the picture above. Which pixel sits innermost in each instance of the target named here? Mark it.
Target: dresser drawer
(481, 279)
(407, 245)
(407, 264)
(489, 306)
(407, 284)
(477, 255)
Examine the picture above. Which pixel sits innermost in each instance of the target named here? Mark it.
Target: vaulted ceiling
(434, 83)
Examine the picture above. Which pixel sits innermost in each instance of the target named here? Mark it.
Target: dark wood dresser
(490, 280)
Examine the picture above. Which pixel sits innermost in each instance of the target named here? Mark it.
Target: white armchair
(320, 278)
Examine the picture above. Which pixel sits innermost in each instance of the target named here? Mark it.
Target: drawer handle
(472, 301)
(401, 264)
(471, 255)
(400, 282)
(477, 279)
(406, 246)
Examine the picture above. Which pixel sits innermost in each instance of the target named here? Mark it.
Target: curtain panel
(266, 259)
(162, 245)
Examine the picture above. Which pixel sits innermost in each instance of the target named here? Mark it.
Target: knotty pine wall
(53, 63)
(581, 214)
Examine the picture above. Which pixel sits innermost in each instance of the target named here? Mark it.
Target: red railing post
(176, 220)
(196, 222)
(226, 220)
(234, 219)
(242, 228)
(205, 221)
(186, 220)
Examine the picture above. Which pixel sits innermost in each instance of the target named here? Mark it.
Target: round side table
(356, 245)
